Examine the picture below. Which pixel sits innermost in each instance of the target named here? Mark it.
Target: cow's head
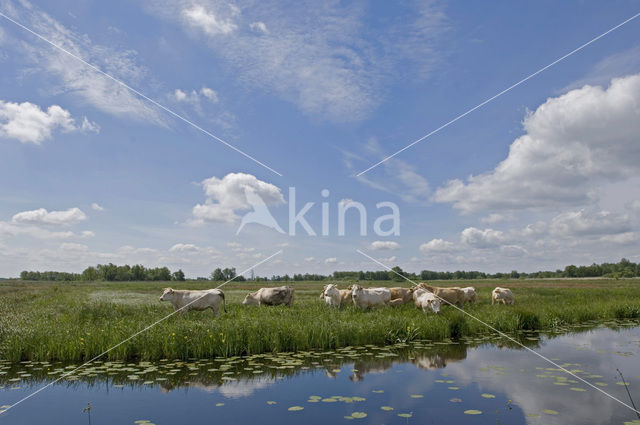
(251, 299)
(167, 295)
(355, 290)
(434, 305)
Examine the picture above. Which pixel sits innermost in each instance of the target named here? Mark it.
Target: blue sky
(544, 176)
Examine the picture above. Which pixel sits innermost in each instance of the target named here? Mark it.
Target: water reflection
(430, 381)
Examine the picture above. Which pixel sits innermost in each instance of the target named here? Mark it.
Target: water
(418, 383)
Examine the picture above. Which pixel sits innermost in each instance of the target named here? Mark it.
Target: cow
(502, 295)
(184, 300)
(365, 298)
(331, 295)
(426, 300)
(452, 296)
(270, 296)
(470, 295)
(345, 296)
(400, 296)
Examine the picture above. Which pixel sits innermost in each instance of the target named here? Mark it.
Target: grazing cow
(400, 296)
(426, 300)
(195, 300)
(331, 295)
(345, 296)
(270, 296)
(364, 298)
(502, 295)
(470, 294)
(452, 295)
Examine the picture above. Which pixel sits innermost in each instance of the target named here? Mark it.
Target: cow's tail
(224, 301)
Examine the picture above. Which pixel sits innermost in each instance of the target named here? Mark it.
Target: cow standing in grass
(331, 295)
(370, 297)
(400, 295)
(184, 300)
(502, 295)
(270, 296)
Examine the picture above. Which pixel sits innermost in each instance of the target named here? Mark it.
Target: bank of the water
(475, 379)
(76, 322)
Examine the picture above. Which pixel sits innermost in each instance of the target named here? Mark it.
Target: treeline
(108, 272)
(111, 272)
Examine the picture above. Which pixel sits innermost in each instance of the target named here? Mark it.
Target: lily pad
(487, 395)
(455, 400)
(386, 408)
(473, 412)
(295, 408)
(549, 411)
(359, 415)
(405, 415)
(416, 396)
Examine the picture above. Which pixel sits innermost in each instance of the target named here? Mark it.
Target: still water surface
(476, 381)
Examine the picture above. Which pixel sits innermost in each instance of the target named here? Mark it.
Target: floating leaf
(386, 408)
(455, 400)
(405, 415)
(487, 395)
(359, 415)
(295, 408)
(549, 412)
(271, 402)
(577, 389)
(416, 396)
(219, 404)
(473, 412)
(377, 391)
(454, 388)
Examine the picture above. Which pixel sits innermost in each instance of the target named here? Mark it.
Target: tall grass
(75, 322)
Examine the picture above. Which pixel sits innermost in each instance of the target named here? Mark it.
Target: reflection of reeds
(74, 322)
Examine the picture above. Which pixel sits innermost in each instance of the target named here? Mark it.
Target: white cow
(502, 295)
(426, 300)
(331, 295)
(270, 296)
(364, 298)
(195, 300)
(470, 294)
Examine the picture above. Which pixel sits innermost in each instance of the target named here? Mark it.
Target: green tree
(217, 275)
(179, 276)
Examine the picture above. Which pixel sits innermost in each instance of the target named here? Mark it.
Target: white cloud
(28, 123)
(495, 218)
(331, 260)
(320, 57)
(384, 245)
(486, 238)
(71, 76)
(586, 223)
(260, 27)
(205, 20)
(437, 246)
(42, 216)
(184, 247)
(309, 259)
(387, 260)
(625, 238)
(194, 96)
(73, 247)
(512, 251)
(227, 195)
(97, 207)
(573, 142)
(12, 230)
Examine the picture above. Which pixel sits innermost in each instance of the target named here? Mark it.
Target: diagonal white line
(131, 89)
(507, 336)
(131, 337)
(480, 105)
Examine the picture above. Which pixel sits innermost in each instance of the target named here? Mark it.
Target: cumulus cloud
(227, 195)
(587, 223)
(27, 123)
(583, 138)
(260, 27)
(486, 238)
(331, 260)
(184, 247)
(387, 260)
(207, 21)
(309, 259)
(384, 245)
(42, 216)
(11, 230)
(97, 207)
(495, 218)
(194, 97)
(437, 246)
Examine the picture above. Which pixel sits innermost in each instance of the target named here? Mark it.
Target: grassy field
(76, 321)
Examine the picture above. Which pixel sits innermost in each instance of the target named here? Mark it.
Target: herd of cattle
(425, 297)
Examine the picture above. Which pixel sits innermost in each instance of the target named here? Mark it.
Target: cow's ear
(170, 290)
